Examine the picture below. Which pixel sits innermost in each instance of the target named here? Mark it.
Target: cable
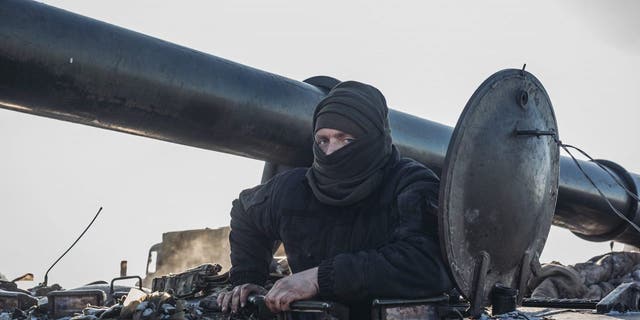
(618, 213)
(615, 178)
(46, 275)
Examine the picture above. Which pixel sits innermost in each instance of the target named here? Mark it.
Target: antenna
(46, 275)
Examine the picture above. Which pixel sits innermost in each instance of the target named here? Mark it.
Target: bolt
(523, 98)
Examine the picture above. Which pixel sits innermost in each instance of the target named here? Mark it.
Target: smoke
(182, 250)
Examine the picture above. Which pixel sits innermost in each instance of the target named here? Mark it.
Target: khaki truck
(182, 250)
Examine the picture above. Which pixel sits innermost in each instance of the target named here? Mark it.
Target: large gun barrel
(58, 64)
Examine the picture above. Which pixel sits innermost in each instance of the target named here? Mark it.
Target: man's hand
(298, 286)
(237, 297)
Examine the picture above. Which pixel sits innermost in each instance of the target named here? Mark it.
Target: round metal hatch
(499, 184)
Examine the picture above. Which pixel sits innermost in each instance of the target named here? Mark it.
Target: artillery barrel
(61, 65)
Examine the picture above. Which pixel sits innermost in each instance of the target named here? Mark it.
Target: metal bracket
(535, 132)
(525, 274)
(560, 303)
(479, 285)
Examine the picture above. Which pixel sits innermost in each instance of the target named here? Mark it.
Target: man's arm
(251, 240)
(408, 266)
(252, 236)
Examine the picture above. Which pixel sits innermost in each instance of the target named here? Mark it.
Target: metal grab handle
(535, 132)
(262, 311)
(301, 305)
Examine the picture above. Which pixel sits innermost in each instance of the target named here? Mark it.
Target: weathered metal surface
(582, 210)
(588, 304)
(190, 283)
(626, 297)
(61, 65)
(65, 66)
(398, 309)
(499, 183)
(573, 314)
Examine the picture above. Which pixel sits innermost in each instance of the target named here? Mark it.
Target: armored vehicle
(494, 220)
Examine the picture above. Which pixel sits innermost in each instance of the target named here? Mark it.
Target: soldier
(361, 223)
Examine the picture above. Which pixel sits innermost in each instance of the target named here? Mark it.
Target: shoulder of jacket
(409, 175)
(252, 197)
(279, 184)
(409, 167)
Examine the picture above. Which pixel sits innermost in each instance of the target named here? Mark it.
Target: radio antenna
(46, 275)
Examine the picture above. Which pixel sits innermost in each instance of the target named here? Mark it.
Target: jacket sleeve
(252, 236)
(409, 265)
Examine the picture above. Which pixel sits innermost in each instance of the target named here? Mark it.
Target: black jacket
(385, 246)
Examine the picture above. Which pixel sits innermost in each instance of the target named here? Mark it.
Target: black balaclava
(354, 171)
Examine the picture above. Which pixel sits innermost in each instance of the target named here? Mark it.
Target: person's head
(352, 143)
(334, 131)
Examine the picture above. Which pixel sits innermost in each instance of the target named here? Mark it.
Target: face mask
(353, 172)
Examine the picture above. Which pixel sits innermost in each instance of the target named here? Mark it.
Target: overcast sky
(426, 57)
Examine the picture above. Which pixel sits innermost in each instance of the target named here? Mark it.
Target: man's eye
(349, 140)
(321, 141)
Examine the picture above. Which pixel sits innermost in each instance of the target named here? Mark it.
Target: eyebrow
(340, 135)
(344, 134)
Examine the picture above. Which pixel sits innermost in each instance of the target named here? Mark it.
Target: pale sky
(426, 57)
